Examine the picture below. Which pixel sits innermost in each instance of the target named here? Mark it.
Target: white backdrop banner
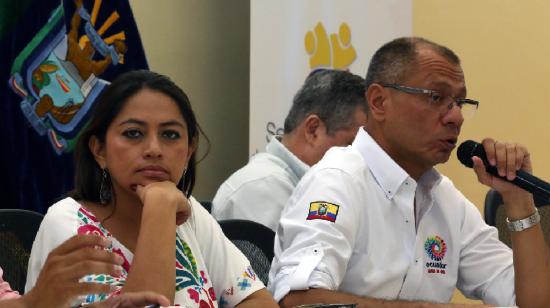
(289, 38)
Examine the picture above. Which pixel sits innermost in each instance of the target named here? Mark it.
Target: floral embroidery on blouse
(187, 276)
(241, 284)
(88, 224)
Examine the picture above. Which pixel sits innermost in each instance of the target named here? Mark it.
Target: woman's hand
(153, 264)
(166, 193)
(58, 283)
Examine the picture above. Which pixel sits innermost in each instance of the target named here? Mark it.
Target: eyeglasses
(441, 102)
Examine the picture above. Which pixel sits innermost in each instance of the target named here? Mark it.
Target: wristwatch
(525, 223)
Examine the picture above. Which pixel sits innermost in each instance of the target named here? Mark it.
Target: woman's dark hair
(88, 174)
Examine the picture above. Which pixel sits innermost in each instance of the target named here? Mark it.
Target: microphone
(529, 182)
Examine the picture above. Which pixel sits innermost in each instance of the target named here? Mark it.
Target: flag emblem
(323, 210)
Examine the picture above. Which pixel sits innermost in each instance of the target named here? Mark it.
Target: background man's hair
(396, 59)
(332, 95)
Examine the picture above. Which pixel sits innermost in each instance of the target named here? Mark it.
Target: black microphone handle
(524, 180)
(539, 188)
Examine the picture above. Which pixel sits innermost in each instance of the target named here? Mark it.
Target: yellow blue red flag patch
(323, 210)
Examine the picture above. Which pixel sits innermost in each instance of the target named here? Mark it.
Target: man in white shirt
(375, 224)
(327, 111)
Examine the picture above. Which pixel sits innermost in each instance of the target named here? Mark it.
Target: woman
(135, 170)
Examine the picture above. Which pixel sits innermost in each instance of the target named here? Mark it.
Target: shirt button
(416, 261)
(407, 221)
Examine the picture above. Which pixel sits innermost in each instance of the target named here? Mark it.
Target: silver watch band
(525, 223)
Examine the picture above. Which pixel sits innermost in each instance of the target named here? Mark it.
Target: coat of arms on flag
(57, 75)
(58, 56)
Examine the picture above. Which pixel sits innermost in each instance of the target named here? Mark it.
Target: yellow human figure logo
(318, 47)
(344, 54)
(337, 52)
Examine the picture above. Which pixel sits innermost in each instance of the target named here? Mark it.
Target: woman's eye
(171, 134)
(132, 133)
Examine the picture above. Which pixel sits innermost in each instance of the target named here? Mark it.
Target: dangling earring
(182, 180)
(105, 187)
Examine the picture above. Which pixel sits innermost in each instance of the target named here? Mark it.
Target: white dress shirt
(367, 240)
(260, 190)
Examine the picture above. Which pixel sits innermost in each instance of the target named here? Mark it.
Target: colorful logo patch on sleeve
(323, 210)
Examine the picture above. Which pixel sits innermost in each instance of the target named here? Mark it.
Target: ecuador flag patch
(323, 210)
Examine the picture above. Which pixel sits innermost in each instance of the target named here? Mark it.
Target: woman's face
(146, 142)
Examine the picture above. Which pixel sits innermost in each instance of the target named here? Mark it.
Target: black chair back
(17, 231)
(207, 205)
(496, 216)
(254, 240)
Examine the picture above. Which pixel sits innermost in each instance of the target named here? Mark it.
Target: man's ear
(98, 150)
(377, 98)
(312, 128)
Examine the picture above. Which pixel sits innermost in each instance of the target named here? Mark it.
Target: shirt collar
(275, 147)
(387, 173)
(430, 179)
(426, 184)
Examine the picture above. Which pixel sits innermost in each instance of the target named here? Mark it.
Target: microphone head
(468, 149)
